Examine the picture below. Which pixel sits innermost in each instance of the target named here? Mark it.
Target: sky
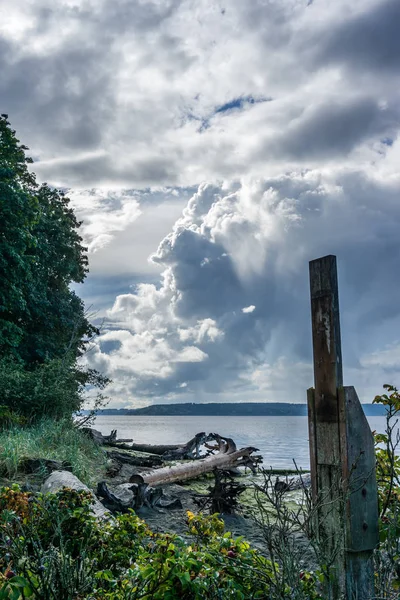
(212, 149)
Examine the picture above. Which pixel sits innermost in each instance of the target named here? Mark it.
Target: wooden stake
(341, 452)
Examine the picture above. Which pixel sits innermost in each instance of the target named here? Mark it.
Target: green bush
(387, 555)
(52, 547)
(9, 418)
(54, 388)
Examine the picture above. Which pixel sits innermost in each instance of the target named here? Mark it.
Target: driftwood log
(102, 440)
(190, 450)
(136, 461)
(145, 489)
(228, 456)
(135, 495)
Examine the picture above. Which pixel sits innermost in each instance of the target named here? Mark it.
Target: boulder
(60, 479)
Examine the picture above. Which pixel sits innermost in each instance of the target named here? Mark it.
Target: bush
(53, 389)
(8, 418)
(387, 555)
(53, 547)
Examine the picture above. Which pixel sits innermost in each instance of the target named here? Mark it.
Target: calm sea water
(279, 439)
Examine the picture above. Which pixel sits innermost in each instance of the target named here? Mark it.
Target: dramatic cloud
(173, 92)
(288, 111)
(246, 246)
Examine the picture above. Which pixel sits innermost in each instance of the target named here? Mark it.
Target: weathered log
(136, 461)
(227, 457)
(34, 465)
(174, 452)
(101, 439)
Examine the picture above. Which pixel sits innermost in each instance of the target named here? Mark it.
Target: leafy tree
(41, 254)
(18, 213)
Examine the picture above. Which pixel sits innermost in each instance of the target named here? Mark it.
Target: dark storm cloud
(334, 129)
(109, 95)
(368, 41)
(63, 98)
(65, 95)
(84, 170)
(124, 16)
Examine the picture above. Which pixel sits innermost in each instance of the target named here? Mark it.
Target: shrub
(54, 388)
(387, 555)
(54, 548)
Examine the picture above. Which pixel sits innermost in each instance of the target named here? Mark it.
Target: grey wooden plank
(359, 472)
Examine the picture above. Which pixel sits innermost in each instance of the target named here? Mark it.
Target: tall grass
(49, 439)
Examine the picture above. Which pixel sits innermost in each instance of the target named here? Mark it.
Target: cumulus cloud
(191, 333)
(248, 309)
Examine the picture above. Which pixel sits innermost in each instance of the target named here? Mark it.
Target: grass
(49, 439)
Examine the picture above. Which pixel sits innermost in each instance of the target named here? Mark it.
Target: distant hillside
(251, 409)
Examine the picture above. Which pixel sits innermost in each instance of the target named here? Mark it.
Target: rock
(136, 494)
(60, 479)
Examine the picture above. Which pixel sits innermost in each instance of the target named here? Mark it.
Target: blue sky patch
(239, 103)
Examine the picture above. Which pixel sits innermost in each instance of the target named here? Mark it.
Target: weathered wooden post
(341, 452)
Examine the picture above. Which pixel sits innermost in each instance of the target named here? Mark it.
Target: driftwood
(99, 438)
(222, 496)
(136, 461)
(145, 489)
(190, 450)
(227, 457)
(42, 465)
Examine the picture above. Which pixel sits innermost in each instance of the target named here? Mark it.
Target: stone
(60, 479)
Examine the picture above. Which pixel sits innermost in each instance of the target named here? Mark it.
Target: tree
(41, 254)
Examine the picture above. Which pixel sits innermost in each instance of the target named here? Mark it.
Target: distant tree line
(43, 326)
(238, 409)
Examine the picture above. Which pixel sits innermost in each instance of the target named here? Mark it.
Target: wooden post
(326, 469)
(341, 451)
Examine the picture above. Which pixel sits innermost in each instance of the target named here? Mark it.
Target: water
(279, 439)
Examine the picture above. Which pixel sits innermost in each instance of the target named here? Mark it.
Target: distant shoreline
(214, 409)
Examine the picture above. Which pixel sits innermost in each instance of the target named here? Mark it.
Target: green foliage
(9, 417)
(40, 256)
(387, 556)
(53, 440)
(54, 548)
(55, 388)
(387, 460)
(42, 321)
